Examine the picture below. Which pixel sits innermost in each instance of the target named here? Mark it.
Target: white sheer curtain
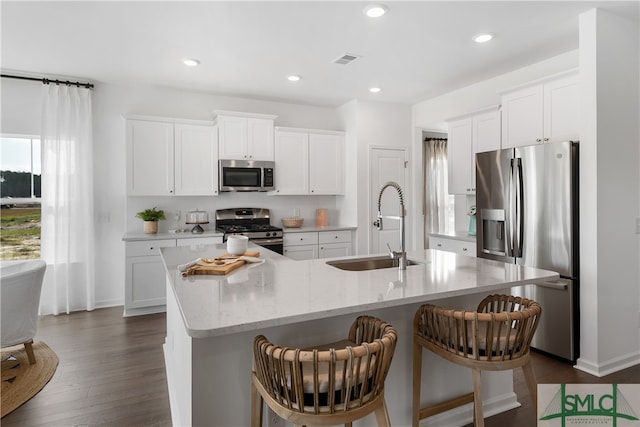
(67, 235)
(436, 196)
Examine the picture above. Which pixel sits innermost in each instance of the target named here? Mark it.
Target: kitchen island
(212, 320)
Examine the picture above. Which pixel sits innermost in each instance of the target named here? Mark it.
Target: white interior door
(386, 164)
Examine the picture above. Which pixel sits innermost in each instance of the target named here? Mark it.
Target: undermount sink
(369, 263)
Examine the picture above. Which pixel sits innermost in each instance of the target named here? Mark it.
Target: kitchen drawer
(461, 247)
(302, 252)
(341, 236)
(310, 238)
(193, 241)
(148, 247)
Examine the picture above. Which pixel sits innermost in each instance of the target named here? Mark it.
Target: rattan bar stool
(496, 337)
(331, 384)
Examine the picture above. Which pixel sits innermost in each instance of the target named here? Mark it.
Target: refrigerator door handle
(510, 210)
(561, 286)
(519, 211)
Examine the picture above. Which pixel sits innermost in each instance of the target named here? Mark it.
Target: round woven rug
(21, 380)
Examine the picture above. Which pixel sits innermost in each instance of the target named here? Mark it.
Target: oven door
(276, 245)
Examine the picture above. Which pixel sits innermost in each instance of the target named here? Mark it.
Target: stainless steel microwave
(246, 175)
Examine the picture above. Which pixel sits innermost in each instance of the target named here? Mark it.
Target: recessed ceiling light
(482, 38)
(374, 89)
(375, 10)
(191, 62)
(293, 78)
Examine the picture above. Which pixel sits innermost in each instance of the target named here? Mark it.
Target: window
(20, 171)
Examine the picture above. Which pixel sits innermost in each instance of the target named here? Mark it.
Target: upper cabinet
(245, 135)
(309, 161)
(468, 135)
(167, 157)
(545, 111)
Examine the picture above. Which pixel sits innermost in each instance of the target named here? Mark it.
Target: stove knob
(268, 234)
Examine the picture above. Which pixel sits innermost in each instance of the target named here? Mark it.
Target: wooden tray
(220, 270)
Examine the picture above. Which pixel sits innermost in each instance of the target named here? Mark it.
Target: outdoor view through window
(20, 193)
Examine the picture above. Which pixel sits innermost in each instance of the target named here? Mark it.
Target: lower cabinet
(458, 246)
(145, 280)
(320, 244)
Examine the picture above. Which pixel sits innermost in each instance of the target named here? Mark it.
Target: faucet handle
(378, 223)
(391, 253)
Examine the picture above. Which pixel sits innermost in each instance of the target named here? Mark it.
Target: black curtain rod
(434, 139)
(46, 81)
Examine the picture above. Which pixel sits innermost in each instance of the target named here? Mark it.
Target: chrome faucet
(402, 255)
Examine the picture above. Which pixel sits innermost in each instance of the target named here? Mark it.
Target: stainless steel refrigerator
(526, 200)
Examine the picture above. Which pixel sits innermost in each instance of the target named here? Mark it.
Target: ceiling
(418, 50)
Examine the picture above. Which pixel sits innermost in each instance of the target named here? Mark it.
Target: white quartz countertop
(313, 228)
(281, 291)
(456, 235)
(132, 237)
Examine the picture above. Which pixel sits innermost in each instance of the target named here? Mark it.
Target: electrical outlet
(273, 420)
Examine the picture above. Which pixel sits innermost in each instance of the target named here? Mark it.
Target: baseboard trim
(463, 415)
(146, 310)
(609, 366)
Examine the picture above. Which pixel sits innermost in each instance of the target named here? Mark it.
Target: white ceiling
(419, 50)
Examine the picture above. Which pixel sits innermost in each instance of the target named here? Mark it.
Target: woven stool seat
(495, 337)
(329, 384)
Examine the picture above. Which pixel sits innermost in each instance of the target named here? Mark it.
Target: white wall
(609, 192)
(376, 124)
(114, 211)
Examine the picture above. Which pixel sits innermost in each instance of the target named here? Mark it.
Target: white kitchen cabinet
(467, 136)
(317, 244)
(245, 136)
(167, 157)
(333, 244)
(326, 163)
(309, 161)
(145, 281)
(149, 158)
(458, 246)
(546, 111)
(292, 159)
(301, 253)
(196, 160)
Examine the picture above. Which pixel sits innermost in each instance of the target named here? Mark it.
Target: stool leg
(256, 407)
(531, 382)
(417, 382)
(382, 415)
(477, 398)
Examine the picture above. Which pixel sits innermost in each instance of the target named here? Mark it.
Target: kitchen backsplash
(280, 207)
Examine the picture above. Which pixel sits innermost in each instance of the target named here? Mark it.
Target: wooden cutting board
(221, 270)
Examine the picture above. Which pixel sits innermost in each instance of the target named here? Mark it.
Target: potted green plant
(151, 218)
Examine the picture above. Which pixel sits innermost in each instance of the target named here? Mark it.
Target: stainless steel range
(253, 223)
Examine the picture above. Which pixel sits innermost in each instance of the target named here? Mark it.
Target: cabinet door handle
(538, 140)
(335, 237)
(464, 249)
(439, 244)
(546, 140)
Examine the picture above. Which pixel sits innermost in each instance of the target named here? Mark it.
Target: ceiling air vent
(346, 59)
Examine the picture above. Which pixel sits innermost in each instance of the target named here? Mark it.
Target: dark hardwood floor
(111, 373)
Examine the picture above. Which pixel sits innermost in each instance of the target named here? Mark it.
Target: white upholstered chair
(21, 284)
